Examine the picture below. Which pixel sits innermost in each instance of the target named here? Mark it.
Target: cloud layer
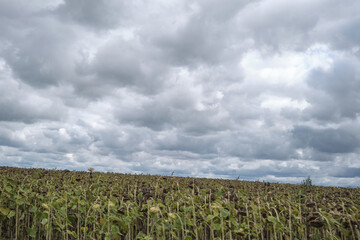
(265, 89)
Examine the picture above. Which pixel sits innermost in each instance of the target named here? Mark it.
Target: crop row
(53, 204)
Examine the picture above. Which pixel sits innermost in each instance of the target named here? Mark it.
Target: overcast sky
(268, 89)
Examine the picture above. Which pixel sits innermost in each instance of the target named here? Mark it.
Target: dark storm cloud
(266, 89)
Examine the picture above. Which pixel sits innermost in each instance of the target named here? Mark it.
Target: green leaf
(127, 219)
(239, 231)
(234, 222)
(257, 226)
(219, 193)
(62, 211)
(44, 221)
(11, 214)
(33, 209)
(272, 219)
(209, 218)
(32, 232)
(10, 180)
(62, 226)
(140, 235)
(72, 233)
(188, 209)
(224, 213)
(4, 211)
(217, 227)
(115, 230)
(8, 188)
(44, 205)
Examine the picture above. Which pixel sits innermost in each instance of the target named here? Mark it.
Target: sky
(264, 90)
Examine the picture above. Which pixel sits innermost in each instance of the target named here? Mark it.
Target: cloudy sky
(265, 90)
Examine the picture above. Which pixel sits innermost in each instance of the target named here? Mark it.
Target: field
(62, 204)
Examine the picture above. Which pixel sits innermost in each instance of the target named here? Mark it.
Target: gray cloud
(282, 25)
(95, 14)
(20, 103)
(347, 172)
(7, 139)
(263, 89)
(328, 140)
(335, 92)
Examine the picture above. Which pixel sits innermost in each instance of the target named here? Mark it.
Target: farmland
(62, 204)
